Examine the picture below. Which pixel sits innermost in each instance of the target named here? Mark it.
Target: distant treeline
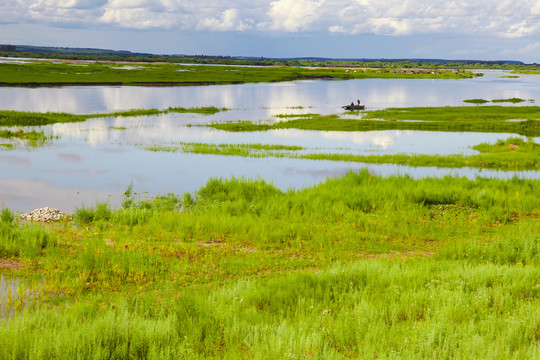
(35, 52)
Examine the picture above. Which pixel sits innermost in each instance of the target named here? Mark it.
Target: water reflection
(97, 160)
(53, 182)
(165, 129)
(261, 101)
(14, 294)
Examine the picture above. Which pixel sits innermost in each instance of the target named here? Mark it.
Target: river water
(98, 159)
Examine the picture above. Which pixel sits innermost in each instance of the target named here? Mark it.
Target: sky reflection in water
(96, 161)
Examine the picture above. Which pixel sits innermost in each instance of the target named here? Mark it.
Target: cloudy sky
(450, 29)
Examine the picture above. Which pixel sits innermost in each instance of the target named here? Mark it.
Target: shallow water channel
(14, 293)
(98, 159)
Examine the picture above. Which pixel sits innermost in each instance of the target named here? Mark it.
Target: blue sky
(450, 29)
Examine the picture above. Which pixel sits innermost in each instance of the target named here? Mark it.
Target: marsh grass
(476, 101)
(287, 116)
(23, 118)
(511, 100)
(356, 267)
(482, 101)
(246, 150)
(31, 139)
(459, 119)
(511, 154)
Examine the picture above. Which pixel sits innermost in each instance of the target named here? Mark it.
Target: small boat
(354, 107)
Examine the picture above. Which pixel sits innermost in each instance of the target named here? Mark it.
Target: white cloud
(504, 18)
(337, 29)
(138, 18)
(293, 15)
(531, 48)
(535, 10)
(228, 21)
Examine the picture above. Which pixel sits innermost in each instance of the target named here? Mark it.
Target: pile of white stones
(45, 214)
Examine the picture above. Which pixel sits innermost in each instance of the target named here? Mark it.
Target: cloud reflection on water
(102, 156)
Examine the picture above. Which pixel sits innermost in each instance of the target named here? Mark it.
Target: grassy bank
(26, 118)
(45, 73)
(457, 119)
(511, 154)
(357, 267)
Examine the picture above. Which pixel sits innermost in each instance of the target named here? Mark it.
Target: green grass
(521, 155)
(32, 139)
(458, 119)
(356, 267)
(287, 116)
(246, 150)
(482, 101)
(476, 101)
(511, 100)
(44, 73)
(24, 118)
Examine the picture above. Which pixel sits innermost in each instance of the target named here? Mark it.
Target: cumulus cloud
(529, 49)
(293, 15)
(64, 11)
(504, 18)
(145, 14)
(337, 29)
(228, 21)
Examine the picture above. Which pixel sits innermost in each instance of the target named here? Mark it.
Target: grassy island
(523, 120)
(511, 154)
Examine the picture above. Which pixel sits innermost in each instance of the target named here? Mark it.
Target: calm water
(93, 161)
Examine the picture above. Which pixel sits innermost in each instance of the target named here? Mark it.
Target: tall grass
(359, 266)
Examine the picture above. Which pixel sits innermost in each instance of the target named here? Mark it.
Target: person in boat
(352, 103)
(358, 102)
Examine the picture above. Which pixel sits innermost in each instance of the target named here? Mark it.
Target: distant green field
(45, 73)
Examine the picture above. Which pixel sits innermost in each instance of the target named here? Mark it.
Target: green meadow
(356, 267)
(47, 73)
(359, 266)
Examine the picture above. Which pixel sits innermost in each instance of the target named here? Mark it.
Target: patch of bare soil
(403, 254)
(9, 264)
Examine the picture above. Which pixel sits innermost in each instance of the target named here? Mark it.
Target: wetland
(258, 219)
